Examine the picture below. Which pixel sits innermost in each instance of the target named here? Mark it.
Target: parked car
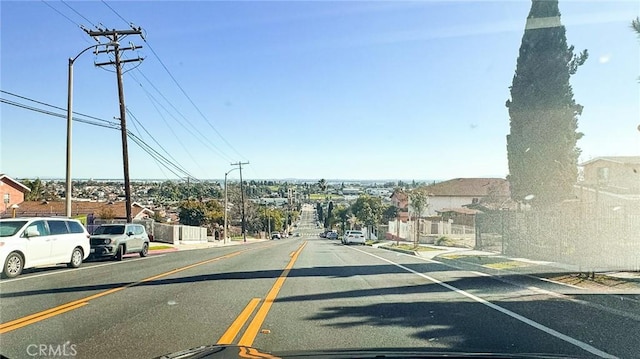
(116, 240)
(323, 234)
(41, 241)
(332, 235)
(346, 233)
(276, 235)
(354, 237)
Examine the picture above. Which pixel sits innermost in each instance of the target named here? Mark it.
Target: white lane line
(542, 291)
(53, 271)
(582, 345)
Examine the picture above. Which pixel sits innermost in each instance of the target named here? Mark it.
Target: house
(460, 192)
(400, 199)
(12, 193)
(92, 210)
(615, 174)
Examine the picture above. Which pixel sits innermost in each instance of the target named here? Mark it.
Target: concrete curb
(405, 251)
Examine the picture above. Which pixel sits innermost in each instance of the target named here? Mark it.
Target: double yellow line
(254, 327)
(36, 317)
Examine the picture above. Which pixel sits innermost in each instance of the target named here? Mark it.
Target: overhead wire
(190, 100)
(79, 14)
(59, 12)
(197, 134)
(155, 160)
(217, 149)
(135, 120)
(52, 106)
(105, 124)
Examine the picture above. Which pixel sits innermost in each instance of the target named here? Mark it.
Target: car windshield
(10, 228)
(109, 230)
(457, 176)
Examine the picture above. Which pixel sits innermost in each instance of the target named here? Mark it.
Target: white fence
(407, 230)
(174, 233)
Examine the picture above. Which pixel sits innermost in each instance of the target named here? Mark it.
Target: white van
(41, 241)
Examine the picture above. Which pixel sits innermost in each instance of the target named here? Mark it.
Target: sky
(308, 90)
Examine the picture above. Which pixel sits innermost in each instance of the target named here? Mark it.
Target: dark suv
(116, 240)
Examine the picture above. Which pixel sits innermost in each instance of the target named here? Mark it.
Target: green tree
(419, 202)
(319, 211)
(541, 145)
(192, 213)
(328, 223)
(389, 213)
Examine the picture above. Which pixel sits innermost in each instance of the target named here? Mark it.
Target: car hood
(235, 351)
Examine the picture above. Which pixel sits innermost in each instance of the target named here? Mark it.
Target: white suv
(41, 241)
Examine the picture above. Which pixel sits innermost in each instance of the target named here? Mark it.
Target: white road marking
(53, 271)
(582, 345)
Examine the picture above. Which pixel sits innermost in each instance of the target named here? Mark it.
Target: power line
(208, 143)
(189, 98)
(59, 12)
(79, 14)
(115, 12)
(135, 119)
(52, 106)
(110, 125)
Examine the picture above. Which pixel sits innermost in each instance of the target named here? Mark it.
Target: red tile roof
(470, 187)
(97, 209)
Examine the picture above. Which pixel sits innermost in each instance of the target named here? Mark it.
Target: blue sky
(351, 90)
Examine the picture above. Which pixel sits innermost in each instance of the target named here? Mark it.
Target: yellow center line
(236, 326)
(36, 317)
(252, 330)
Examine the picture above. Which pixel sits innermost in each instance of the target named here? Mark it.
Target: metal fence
(590, 237)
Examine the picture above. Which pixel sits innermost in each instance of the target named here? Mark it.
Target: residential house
(457, 193)
(617, 174)
(12, 193)
(91, 210)
(400, 200)
(611, 180)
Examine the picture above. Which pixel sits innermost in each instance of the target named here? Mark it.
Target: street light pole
(225, 204)
(69, 120)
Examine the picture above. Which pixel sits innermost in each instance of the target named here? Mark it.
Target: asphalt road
(303, 293)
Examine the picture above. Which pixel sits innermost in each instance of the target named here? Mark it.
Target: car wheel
(145, 250)
(76, 258)
(120, 253)
(13, 265)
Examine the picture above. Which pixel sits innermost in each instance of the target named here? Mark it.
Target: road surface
(303, 293)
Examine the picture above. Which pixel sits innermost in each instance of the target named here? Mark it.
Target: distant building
(12, 193)
(616, 174)
(457, 193)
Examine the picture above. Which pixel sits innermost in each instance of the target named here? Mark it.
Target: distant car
(323, 235)
(41, 241)
(297, 235)
(116, 240)
(344, 236)
(356, 237)
(276, 235)
(332, 235)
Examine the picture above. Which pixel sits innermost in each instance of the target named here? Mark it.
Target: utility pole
(244, 230)
(114, 36)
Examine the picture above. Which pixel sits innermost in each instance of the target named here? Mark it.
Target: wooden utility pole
(244, 230)
(115, 36)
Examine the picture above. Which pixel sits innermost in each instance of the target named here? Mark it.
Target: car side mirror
(130, 234)
(32, 232)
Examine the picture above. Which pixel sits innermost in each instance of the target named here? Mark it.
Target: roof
(5, 178)
(470, 187)
(118, 209)
(460, 210)
(635, 160)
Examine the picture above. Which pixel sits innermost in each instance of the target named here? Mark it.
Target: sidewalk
(501, 264)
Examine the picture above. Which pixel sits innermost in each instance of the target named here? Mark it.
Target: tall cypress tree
(541, 146)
